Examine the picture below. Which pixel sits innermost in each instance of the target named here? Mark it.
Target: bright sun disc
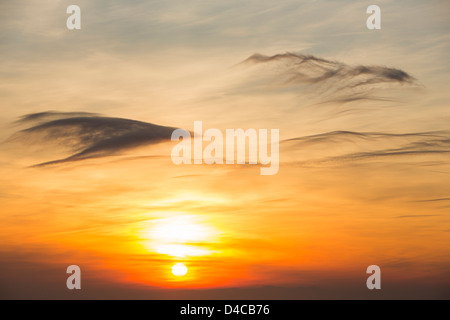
(179, 269)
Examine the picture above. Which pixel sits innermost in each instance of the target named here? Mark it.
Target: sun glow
(188, 197)
(180, 229)
(179, 269)
(180, 236)
(181, 250)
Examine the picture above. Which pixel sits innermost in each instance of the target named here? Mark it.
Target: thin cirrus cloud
(342, 146)
(89, 135)
(332, 81)
(434, 200)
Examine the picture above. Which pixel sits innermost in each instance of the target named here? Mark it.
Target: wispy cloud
(338, 146)
(52, 115)
(89, 135)
(434, 200)
(333, 81)
(418, 216)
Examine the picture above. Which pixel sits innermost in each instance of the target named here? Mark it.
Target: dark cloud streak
(52, 115)
(333, 81)
(89, 135)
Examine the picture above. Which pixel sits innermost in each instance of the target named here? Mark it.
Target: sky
(87, 179)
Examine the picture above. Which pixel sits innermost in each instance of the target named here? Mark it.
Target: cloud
(332, 81)
(419, 216)
(338, 146)
(52, 115)
(89, 135)
(434, 200)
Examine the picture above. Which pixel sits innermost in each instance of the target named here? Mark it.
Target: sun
(179, 269)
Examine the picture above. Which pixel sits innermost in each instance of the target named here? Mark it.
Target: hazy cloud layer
(89, 135)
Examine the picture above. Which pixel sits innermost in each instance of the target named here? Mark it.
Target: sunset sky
(87, 179)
